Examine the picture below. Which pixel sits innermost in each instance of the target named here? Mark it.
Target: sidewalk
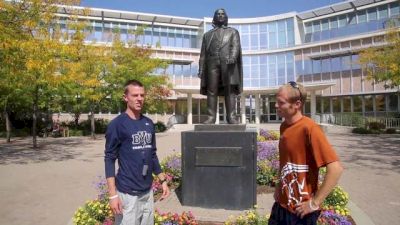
(46, 186)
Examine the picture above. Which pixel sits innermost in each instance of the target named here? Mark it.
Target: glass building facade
(318, 48)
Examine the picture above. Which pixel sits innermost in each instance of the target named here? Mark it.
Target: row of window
(382, 103)
(335, 64)
(267, 35)
(179, 70)
(362, 21)
(152, 35)
(268, 70)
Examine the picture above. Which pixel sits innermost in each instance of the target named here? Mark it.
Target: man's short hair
(133, 82)
(296, 92)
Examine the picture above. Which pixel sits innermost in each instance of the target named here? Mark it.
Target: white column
(243, 108)
(199, 110)
(257, 102)
(217, 112)
(313, 104)
(189, 109)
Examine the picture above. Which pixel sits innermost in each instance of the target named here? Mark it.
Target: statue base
(219, 167)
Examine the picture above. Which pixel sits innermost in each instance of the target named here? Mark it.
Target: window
(325, 24)
(371, 14)
(383, 12)
(316, 26)
(272, 35)
(308, 28)
(342, 20)
(380, 103)
(333, 23)
(393, 102)
(368, 103)
(362, 16)
(394, 9)
(352, 18)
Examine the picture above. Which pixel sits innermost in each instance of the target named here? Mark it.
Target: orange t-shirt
(303, 148)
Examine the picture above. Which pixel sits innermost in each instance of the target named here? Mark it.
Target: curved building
(318, 48)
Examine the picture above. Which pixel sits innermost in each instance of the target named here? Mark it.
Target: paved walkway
(46, 186)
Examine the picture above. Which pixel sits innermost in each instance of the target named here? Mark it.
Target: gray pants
(136, 210)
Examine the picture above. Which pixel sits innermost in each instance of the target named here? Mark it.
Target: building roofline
(338, 7)
(139, 16)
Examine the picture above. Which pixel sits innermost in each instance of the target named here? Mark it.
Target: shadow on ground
(371, 151)
(20, 150)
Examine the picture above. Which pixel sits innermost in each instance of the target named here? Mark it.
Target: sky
(205, 8)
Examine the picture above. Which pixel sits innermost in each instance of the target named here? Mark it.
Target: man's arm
(158, 171)
(110, 155)
(333, 172)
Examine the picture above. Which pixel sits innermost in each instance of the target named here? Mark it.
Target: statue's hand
(230, 61)
(200, 74)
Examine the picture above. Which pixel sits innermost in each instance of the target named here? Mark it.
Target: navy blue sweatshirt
(133, 143)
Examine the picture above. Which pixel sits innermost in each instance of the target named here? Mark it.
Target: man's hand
(230, 61)
(166, 191)
(304, 208)
(116, 205)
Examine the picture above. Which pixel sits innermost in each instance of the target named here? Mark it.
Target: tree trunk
(34, 117)
(92, 125)
(8, 124)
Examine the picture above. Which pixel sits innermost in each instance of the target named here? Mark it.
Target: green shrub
(376, 126)
(390, 131)
(266, 174)
(160, 127)
(337, 200)
(75, 132)
(361, 130)
(93, 212)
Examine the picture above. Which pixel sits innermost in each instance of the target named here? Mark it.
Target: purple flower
(267, 150)
(333, 218)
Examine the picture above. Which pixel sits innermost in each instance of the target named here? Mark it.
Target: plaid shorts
(282, 216)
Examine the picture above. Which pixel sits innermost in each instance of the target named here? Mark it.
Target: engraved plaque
(219, 156)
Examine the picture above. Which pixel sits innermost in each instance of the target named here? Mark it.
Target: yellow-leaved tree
(382, 63)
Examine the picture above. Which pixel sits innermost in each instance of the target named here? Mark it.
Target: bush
(174, 219)
(361, 130)
(266, 173)
(376, 126)
(249, 217)
(93, 212)
(390, 131)
(160, 127)
(268, 135)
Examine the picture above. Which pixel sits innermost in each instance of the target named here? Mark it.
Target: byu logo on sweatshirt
(141, 140)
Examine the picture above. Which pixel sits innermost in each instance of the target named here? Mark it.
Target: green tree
(382, 63)
(133, 61)
(35, 41)
(87, 65)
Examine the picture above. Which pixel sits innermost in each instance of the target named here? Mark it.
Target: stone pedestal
(219, 167)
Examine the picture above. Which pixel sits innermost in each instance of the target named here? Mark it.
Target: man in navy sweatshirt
(130, 138)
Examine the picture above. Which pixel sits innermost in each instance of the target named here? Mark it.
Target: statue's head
(220, 18)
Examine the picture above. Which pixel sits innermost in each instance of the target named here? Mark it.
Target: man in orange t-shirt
(303, 149)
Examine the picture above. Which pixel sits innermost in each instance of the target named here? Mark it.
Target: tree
(132, 61)
(35, 39)
(382, 63)
(87, 65)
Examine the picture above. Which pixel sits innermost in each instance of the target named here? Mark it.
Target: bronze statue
(220, 67)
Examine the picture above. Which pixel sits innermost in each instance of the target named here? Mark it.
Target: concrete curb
(359, 216)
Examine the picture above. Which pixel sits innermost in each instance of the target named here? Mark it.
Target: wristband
(310, 204)
(113, 197)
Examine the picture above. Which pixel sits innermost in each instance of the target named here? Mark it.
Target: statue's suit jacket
(230, 49)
